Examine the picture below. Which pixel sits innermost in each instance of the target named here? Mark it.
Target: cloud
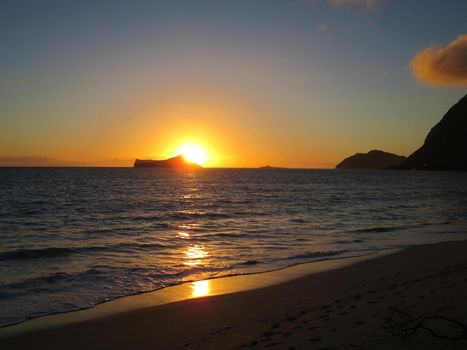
(369, 4)
(442, 66)
(322, 28)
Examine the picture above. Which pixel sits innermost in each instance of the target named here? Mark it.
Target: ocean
(71, 238)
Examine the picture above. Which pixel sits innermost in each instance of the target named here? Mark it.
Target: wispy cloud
(322, 28)
(442, 65)
(369, 4)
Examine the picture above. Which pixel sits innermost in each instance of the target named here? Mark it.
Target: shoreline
(342, 307)
(136, 300)
(184, 291)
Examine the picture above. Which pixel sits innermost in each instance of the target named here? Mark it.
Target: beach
(229, 175)
(410, 299)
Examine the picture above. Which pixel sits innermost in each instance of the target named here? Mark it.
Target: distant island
(268, 167)
(178, 162)
(374, 159)
(445, 147)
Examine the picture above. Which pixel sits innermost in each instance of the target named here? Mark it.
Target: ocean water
(71, 238)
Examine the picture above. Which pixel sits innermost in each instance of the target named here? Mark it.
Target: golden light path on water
(194, 255)
(183, 235)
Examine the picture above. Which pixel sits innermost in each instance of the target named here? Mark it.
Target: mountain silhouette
(445, 147)
(178, 162)
(374, 159)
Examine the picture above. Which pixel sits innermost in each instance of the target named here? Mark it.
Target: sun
(193, 153)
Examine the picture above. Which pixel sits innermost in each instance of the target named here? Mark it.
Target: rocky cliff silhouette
(445, 147)
(178, 162)
(374, 159)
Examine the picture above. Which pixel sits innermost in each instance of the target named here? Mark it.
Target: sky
(293, 83)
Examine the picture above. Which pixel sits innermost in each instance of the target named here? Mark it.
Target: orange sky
(282, 83)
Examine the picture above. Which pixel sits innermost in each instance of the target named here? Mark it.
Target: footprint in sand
(314, 340)
(271, 344)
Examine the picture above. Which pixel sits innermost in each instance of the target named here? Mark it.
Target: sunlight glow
(200, 288)
(195, 255)
(193, 153)
(183, 235)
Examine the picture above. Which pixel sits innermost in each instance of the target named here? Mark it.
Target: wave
(61, 280)
(350, 241)
(59, 252)
(250, 262)
(95, 276)
(180, 276)
(16, 289)
(310, 256)
(23, 254)
(195, 214)
(380, 229)
(228, 235)
(313, 255)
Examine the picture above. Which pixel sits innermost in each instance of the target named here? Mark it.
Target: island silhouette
(374, 159)
(445, 148)
(178, 162)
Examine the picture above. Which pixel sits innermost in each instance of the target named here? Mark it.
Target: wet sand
(413, 299)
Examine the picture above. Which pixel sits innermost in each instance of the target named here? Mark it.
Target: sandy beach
(413, 299)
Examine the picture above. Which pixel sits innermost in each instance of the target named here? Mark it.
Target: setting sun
(194, 154)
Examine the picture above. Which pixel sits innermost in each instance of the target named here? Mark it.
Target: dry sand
(414, 299)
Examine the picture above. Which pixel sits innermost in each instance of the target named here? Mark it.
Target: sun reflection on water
(192, 196)
(194, 255)
(191, 226)
(183, 235)
(200, 288)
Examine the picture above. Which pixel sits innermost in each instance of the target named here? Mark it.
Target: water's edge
(184, 291)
